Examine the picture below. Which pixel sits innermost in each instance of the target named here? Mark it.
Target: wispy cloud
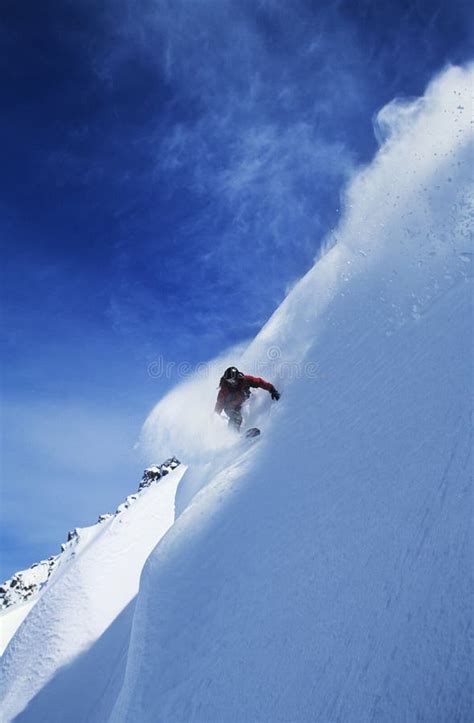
(246, 145)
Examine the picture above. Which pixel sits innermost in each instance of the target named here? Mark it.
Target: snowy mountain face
(23, 589)
(322, 572)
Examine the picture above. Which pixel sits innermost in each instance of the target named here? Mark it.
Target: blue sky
(169, 170)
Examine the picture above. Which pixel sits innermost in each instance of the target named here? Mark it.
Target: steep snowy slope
(21, 592)
(11, 620)
(325, 574)
(68, 651)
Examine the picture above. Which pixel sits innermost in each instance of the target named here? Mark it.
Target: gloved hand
(275, 395)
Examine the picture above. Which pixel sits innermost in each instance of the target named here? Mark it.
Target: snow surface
(11, 619)
(20, 593)
(26, 586)
(323, 572)
(69, 648)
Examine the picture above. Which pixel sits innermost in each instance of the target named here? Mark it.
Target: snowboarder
(234, 390)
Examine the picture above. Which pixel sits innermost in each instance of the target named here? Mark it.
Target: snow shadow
(87, 687)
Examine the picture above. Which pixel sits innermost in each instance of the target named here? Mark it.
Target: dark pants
(235, 417)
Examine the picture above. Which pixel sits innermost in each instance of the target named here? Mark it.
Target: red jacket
(235, 396)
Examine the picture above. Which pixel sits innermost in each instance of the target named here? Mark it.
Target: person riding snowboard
(234, 390)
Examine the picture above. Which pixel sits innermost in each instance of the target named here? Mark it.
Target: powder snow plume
(403, 199)
(184, 423)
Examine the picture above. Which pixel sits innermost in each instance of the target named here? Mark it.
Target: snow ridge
(71, 648)
(25, 586)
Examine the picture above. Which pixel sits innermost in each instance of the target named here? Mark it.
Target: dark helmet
(232, 376)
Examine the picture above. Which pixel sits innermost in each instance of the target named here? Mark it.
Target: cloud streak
(251, 150)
